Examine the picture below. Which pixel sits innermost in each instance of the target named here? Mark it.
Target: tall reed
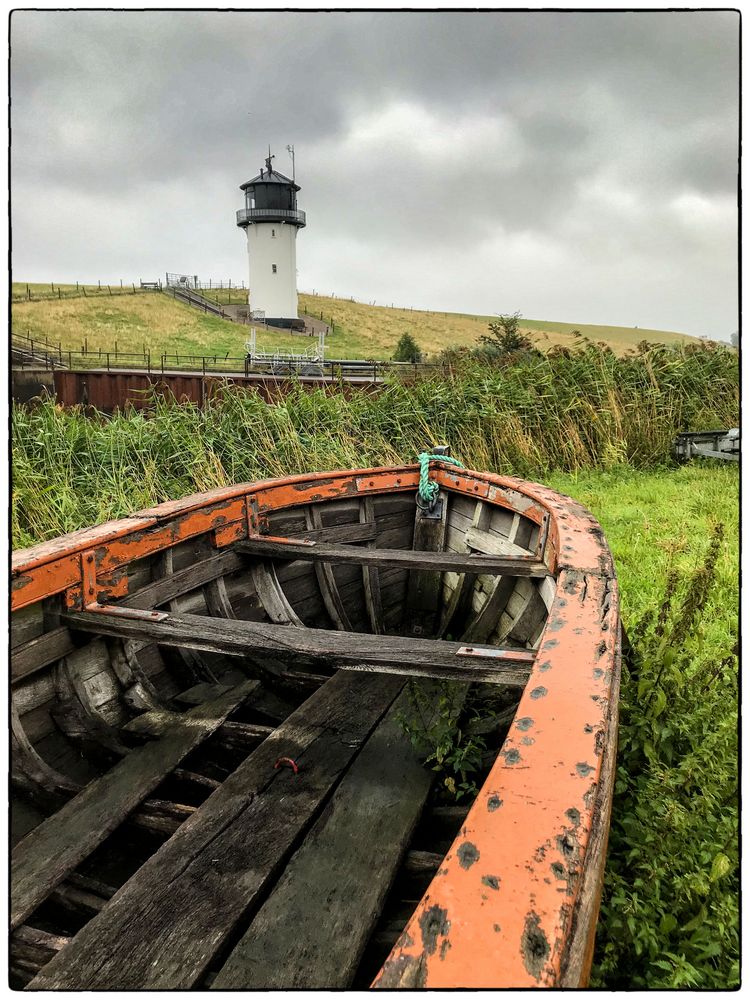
(566, 410)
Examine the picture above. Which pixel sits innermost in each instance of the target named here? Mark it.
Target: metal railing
(30, 353)
(295, 216)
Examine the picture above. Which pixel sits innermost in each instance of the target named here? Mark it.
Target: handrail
(295, 216)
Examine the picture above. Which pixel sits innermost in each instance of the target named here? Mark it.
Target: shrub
(407, 349)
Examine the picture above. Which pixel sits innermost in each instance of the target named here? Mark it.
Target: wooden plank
(433, 561)
(461, 595)
(329, 590)
(272, 597)
(365, 531)
(194, 665)
(371, 575)
(425, 587)
(332, 891)
(44, 858)
(165, 925)
(40, 652)
(353, 650)
(180, 582)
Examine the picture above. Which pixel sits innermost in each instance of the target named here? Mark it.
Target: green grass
(151, 321)
(591, 425)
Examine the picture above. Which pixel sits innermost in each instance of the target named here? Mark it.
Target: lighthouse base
(285, 322)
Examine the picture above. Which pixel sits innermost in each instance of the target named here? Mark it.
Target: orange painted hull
(514, 903)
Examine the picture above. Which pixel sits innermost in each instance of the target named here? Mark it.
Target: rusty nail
(91, 590)
(371, 483)
(89, 559)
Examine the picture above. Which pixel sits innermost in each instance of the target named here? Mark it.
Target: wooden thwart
(450, 562)
(352, 650)
(44, 858)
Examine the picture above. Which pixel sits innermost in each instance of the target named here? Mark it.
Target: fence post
(148, 363)
(120, 282)
(107, 360)
(109, 289)
(162, 364)
(59, 292)
(70, 359)
(203, 359)
(85, 345)
(99, 284)
(83, 287)
(246, 367)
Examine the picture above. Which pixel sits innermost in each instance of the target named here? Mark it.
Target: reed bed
(529, 416)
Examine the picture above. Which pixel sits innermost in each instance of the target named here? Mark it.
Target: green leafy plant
(432, 721)
(407, 349)
(670, 912)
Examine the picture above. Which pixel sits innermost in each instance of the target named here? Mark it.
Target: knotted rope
(429, 490)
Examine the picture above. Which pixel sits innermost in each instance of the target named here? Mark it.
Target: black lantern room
(270, 197)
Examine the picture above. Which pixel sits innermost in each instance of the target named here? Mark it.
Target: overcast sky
(579, 167)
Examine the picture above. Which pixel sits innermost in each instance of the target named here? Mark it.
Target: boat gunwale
(576, 641)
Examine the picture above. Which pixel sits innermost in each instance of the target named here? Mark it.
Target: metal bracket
(435, 511)
(137, 613)
(524, 655)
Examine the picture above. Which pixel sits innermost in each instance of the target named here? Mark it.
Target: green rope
(427, 489)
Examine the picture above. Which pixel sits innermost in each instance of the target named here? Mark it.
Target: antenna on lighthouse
(290, 150)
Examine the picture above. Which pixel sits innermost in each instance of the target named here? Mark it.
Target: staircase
(193, 298)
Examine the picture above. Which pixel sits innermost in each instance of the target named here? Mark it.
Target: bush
(407, 349)
(506, 336)
(670, 909)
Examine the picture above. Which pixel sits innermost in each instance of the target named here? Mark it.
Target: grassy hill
(149, 321)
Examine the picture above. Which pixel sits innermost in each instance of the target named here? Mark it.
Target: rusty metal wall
(109, 391)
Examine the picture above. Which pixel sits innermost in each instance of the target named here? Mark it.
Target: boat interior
(212, 782)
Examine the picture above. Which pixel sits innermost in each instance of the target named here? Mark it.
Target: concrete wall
(270, 243)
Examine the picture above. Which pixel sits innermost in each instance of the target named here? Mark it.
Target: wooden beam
(45, 857)
(371, 574)
(437, 561)
(352, 650)
(166, 924)
(380, 799)
(329, 590)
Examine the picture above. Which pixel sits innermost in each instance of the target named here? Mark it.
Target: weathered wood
(45, 857)
(434, 561)
(462, 592)
(199, 693)
(353, 650)
(193, 778)
(40, 652)
(424, 589)
(365, 531)
(156, 723)
(272, 597)
(180, 582)
(329, 590)
(422, 863)
(194, 665)
(77, 900)
(164, 926)
(31, 949)
(483, 624)
(332, 891)
(90, 884)
(217, 599)
(371, 575)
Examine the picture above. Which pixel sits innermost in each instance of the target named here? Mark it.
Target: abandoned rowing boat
(205, 798)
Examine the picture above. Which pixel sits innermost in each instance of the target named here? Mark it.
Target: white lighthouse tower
(271, 220)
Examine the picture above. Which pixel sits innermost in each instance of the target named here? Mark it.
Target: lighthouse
(271, 220)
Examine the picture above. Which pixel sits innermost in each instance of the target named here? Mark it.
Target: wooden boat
(211, 784)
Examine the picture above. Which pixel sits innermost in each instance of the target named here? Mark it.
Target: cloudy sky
(579, 167)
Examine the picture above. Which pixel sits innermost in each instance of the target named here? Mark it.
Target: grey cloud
(513, 126)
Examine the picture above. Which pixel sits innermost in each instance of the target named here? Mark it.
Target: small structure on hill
(271, 220)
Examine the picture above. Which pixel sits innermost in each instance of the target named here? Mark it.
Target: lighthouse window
(273, 268)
